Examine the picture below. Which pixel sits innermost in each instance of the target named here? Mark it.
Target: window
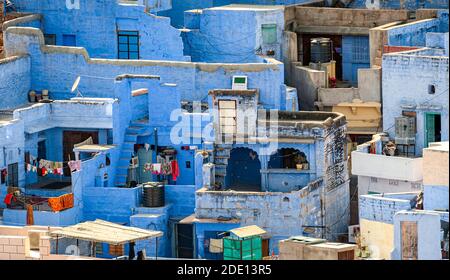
(188, 164)
(269, 33)
(374, 179)
(13, 175)
(431, 89)
(128, 44)
(69, 40)
(50, 39)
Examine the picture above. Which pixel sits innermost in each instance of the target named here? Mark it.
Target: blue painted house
(417, 81)
(233, 129)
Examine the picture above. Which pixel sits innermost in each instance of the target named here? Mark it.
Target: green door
(431, 131)
(144, 157)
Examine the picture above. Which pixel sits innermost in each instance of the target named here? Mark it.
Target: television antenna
(75, 87)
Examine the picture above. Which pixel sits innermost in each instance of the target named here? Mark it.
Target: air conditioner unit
(405, 130)
(239, 83)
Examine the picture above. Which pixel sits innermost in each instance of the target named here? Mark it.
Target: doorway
(70, 138)
(243, 170)
(184, 241)
(432, 128)
(265, 247)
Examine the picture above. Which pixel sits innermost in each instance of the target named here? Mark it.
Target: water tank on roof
(153, 195)
(321, 50)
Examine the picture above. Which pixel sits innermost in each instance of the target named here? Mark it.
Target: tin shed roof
(247, 231)
(103, 231)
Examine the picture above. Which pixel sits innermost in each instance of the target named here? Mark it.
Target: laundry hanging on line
(74, 165)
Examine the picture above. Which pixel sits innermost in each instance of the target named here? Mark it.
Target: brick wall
(15, 243)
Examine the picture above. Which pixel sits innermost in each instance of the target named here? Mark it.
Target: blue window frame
(128, 44)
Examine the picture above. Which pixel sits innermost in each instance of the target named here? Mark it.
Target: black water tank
(153, 195)
(321, 50)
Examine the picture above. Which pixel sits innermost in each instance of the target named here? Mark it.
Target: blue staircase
(136, 128)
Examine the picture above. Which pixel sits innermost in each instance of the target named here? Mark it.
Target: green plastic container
(242, 249)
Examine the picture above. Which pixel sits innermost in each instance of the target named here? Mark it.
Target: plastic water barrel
(153, 194)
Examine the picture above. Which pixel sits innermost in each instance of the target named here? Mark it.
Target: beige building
(28, 243)
(306, 248)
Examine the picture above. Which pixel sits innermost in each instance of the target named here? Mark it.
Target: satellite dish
(75, 87)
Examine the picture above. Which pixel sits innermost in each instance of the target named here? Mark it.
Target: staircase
(136, 128)
(221, 156)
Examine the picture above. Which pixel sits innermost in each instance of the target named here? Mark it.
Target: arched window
(289, 158)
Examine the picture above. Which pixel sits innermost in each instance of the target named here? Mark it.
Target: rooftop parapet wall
(193, 80)
(412, 34)
(363, 18)
(382, 208)
(388, 167)
(261, 208)
(62, 113)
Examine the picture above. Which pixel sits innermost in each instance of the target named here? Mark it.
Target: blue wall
(15, 82)
(382, 209)
(94, 26)
(413, 34)
(193, 80)
(435, 198)
(231, 35)
(180, 6)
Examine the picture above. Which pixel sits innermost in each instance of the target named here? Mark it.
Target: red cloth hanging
(175, 170)
(8, 198)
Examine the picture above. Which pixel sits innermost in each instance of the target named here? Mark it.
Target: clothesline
(51, 167)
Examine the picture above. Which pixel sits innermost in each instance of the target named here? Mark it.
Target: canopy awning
(105, 232)
(93, 148)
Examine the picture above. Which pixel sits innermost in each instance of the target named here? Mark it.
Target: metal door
(432, 128)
